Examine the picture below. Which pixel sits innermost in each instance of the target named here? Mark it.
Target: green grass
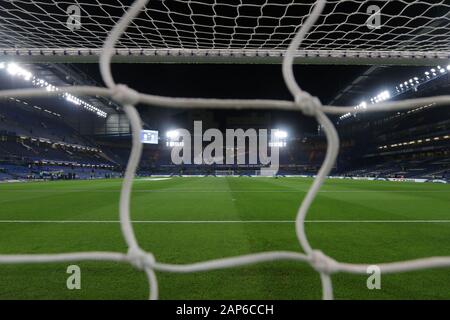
(224, 199)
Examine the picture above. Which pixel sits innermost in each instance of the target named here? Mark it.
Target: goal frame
(181, 55)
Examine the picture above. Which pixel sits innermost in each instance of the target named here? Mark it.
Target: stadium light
(280, 134)
(345, 116)
(14, 70)
(413, 142)
(172, 134)
(277, 144)
(363, 105)
(279, 138)
(382, 96)
(428, 75)
(175, 143)
(79, 102)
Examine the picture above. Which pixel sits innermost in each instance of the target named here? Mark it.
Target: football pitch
(187, 220)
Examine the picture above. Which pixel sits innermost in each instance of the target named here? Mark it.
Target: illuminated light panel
(172, 134)
(415, 142)
(280, 134)
(15, 70)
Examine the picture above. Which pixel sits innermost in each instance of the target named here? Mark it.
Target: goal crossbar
(344, 57)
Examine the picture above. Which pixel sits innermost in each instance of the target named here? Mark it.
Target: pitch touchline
(223, 221)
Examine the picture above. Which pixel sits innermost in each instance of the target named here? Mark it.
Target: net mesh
(228, 27)
(302, 102)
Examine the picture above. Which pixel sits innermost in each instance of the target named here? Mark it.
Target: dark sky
(229, 80)
(257, 81)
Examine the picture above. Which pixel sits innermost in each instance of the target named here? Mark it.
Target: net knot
(140, 259)
(323, 263)
(307, 103)
(124, 95)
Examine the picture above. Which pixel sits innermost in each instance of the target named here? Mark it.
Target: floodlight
(13, 69)
(281, 134)
(172, 134)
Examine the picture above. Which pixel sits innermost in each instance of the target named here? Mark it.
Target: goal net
(410, 31)
(360, 31)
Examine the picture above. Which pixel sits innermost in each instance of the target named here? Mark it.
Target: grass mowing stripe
(181, 221)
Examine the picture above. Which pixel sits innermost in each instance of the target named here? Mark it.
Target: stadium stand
(35, 146)
(37, 141)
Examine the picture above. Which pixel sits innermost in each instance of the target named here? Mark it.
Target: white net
(302, 102)
(350, 31)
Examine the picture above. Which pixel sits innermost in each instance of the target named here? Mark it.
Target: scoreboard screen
(149, 136)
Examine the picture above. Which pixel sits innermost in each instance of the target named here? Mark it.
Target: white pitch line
(219, 191)
(221, 221)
